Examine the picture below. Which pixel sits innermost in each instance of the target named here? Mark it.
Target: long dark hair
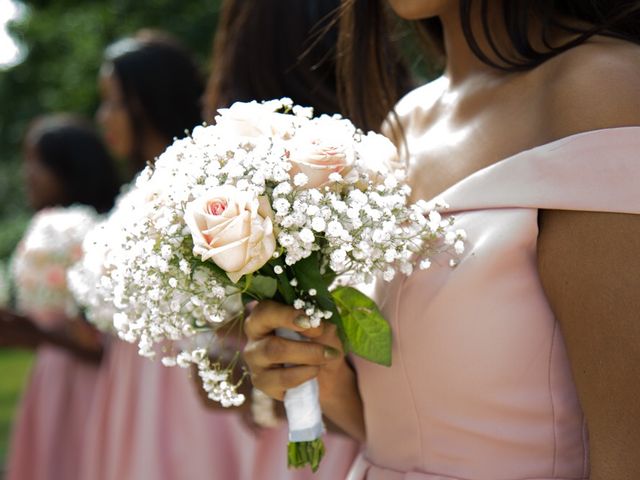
(69, 147)
(276, 48)
(366, 51)
(161, 84)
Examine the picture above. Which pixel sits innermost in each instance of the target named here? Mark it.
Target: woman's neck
(462, 64)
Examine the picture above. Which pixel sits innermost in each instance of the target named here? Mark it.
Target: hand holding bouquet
(270, 203)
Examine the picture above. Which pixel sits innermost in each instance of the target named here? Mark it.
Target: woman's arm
(590, 269)
(321, 358)
(20, 331)
(590, 262)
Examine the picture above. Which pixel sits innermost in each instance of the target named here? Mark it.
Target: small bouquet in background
(270, 203)
(52, 243)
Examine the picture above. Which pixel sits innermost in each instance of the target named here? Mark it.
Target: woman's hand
(321, 358)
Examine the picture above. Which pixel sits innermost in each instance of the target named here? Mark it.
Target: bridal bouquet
(270, 203)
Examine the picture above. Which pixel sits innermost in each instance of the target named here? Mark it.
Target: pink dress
(48, 432)
(480, 387)
(147, 422)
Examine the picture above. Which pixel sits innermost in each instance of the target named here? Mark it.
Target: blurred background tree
(63, 42)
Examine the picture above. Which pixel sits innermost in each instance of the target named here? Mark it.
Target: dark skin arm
(79, 338)
(590, 269)
(590, 264)
(19, 331)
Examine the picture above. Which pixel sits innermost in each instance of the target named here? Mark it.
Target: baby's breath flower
(300, 180)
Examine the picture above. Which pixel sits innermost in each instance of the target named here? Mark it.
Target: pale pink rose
(254, 119)
(233, 229)
(56, 277)
(322, 147)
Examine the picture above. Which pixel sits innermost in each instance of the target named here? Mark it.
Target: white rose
(255, 119)
(233, 229)
(320, 148)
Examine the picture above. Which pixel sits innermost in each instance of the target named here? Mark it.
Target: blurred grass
(14, 368)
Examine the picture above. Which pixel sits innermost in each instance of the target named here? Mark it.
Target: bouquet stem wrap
(304, 417)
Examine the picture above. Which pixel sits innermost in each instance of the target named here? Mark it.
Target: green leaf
(307, 272)
(284, 283)
(368, 333)
(263, 286)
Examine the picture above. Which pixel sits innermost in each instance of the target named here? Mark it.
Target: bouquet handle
(304, 417)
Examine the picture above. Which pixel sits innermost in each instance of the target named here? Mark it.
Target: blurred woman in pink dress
(520, 361)
(146, 420)
(69, 178)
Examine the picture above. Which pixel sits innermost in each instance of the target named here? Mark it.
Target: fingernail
(302, 321)
(331, 353)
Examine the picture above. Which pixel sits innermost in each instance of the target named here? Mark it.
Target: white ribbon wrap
(302, 403)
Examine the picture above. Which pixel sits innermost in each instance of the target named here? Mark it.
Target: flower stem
(301, 454)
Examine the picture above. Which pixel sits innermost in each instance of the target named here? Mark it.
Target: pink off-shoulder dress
(480, 387)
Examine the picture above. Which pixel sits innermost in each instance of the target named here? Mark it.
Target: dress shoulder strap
(593, 171)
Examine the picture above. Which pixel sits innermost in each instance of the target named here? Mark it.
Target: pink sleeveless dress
(147, 422)
(480, 387)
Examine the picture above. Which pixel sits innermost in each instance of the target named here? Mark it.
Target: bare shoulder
(419, 101)
(595, 85)
(422, 97)
(413, 110)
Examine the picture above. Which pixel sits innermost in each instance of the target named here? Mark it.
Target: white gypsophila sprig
(90, 279)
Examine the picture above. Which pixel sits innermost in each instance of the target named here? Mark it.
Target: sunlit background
(12, 51)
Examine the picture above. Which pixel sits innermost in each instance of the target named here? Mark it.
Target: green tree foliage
(65, 40)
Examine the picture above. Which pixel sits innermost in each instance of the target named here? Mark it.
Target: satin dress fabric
(480, 387)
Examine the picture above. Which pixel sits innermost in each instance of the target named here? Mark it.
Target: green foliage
(361, 327)
(307, 272)
(366, 329)
(11, 231)
(261, 286)
(65, 40)
(14, 366)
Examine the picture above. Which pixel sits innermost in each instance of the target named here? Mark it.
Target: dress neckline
(535, 177)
